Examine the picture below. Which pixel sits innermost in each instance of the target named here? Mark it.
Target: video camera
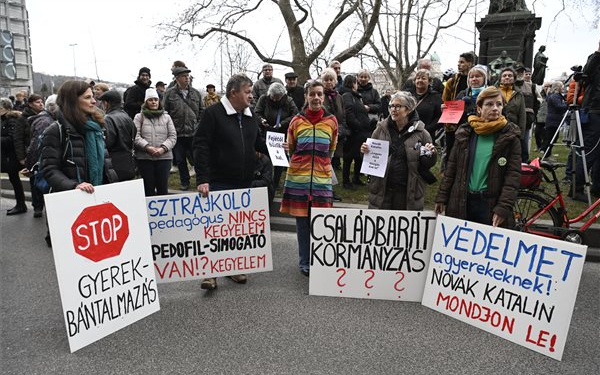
(578, 75)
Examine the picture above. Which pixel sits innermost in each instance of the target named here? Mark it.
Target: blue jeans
(183, 150)
(303, 234)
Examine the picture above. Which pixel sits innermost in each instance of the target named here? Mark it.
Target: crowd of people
(86, 136)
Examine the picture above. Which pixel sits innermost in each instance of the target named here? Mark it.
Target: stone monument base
(513, 32)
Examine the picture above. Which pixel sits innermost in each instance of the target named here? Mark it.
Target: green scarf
(152, 113)
(94, 152)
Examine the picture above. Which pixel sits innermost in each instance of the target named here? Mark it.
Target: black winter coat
(39, 123)
(370, 97)
(120, 133)
(134, 98)
(267, 109)
(429, 109)
(64, 162)
(591, 98)
(22, 136)
(357, 118)
(224, 147)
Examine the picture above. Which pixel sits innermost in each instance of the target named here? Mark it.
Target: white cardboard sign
(195, 237)
(373, 254)
(515, 285)
(375, 161)
(277, 154)
(104, 268)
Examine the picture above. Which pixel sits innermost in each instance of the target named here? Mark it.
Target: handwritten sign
(515, 285)
(375, 161)
(104, 269)
(375, 254)
(275, 143)
(195, 237)
(453, 112)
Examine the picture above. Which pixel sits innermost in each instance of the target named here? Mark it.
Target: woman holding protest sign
(481, 180)
(411, 154)
(312, 137)
(154, 141)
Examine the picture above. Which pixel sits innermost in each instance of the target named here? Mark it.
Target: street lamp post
(72, 45)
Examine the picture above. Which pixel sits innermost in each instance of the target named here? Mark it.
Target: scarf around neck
(482, 127)
(314, 116)
(152, 113)
(94, 151)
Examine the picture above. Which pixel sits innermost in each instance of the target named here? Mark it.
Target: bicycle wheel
(528, 205)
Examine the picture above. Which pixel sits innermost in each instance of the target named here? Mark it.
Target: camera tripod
(575, 142)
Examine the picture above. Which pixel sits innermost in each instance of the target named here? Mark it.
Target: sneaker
(192, 172)
(209, 284)
(337, 198)
(174, 169)
(240, 279)
(305, 272)
(185, 187)
(37, 213)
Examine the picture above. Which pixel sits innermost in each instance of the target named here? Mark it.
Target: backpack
(38, 172)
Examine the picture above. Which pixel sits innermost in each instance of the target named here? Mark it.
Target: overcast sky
(114, 38)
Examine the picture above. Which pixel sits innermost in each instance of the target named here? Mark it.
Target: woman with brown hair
(74, 155)
(482, 176)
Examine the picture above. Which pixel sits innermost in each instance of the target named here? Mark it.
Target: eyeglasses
(395, 106)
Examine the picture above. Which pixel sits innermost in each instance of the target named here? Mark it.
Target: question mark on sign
(204, 265)
(367, 285)
(339, 280)
(399, 281)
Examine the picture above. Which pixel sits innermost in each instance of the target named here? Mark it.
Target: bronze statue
(500, 63)
(539, 66)
(505, 6)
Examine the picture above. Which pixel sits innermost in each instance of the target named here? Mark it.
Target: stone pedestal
(512, 32)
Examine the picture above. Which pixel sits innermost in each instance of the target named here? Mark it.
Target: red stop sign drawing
(99, 232)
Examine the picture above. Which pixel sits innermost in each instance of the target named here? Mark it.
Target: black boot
(18, 209)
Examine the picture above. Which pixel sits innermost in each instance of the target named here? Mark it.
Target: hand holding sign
(376, 157)
(275, 145)
(452, 112)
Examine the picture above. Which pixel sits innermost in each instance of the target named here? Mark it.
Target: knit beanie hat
(144, 70)
(151, 93)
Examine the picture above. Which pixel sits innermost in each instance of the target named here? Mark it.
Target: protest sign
(375, 254)
(104, 268)
(275, 143)
(195, 237)
(515, 285)
(453, 112)
(375, 161)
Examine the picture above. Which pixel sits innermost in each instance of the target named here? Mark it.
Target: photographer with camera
(590, 119)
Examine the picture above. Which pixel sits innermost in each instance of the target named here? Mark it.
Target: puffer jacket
(415, 188)
(504, 174)
(370, 98)
(64, 162)
(155, 132)
(39, 123)
(557, 106)
(185, 113)
(9, 123)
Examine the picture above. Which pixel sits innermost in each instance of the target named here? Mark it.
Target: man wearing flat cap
(293, 90)
(184, 105)
(134, 95)
(120, 133)
(261, 86)
(211, 96)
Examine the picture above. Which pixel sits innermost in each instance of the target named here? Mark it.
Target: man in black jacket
(293, 90)
(134, 95)
(590, 128)
(224, 147)
(120, 133)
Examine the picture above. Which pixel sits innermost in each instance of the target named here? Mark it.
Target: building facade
(16, 71)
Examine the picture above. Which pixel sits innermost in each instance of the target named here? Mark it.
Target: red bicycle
(540, 213)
